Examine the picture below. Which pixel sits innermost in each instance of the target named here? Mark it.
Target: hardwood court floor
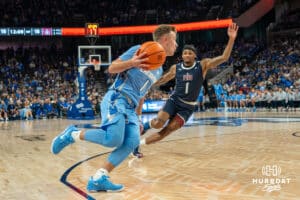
(221, 157)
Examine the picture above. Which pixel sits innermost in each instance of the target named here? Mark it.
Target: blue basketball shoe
(103, 184)
(63, 139)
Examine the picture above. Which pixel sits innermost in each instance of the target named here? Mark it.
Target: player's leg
(136, 152)
(110, 135)
(156, 123)
(174, 124)
(182, 116)
(130, 139)
(100, 181)
(125, 136)
(163, 115)
(160, 120)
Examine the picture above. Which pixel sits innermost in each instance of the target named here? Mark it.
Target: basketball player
(189, 76)
(120, 124)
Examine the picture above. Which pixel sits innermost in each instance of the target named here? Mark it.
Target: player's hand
(232, 30)
(139, 60)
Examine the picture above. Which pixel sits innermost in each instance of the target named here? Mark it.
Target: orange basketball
(154, 52)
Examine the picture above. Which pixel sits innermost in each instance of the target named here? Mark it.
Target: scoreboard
(30, 31)
(90, 30)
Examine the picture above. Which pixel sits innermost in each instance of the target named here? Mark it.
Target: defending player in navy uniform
(189, 77)
(120, 124)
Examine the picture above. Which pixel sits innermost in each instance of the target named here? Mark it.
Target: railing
(222, 76)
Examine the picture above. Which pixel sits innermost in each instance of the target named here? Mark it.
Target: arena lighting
(128, 30)
(108, 31)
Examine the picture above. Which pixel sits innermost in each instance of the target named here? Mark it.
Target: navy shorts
(173, 107)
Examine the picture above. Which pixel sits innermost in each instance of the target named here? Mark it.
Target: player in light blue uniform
(120, 123)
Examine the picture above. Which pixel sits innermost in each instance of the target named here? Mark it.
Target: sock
(136, 150)
(147, 125)
(75, 135)
(100, 172)
(143, 141)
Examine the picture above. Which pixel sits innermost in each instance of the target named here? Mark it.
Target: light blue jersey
(135, 82)
(119, 121)
(120, 126)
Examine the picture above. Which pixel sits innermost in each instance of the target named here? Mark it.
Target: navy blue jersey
(189, 80)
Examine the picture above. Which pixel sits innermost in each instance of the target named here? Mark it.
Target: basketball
(154, 52)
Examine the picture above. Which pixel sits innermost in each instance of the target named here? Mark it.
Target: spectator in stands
(3, 111)
(12, 110)
(26, 112)
(222, 100)
(49, 108)
(290, 98)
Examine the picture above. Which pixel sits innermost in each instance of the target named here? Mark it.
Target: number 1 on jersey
(187, 87)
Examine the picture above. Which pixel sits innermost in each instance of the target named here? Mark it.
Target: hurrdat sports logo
(271, 179)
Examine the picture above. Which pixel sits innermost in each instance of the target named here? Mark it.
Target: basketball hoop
(95, 60)
(97, 65)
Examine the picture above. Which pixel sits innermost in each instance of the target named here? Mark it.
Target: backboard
(88, 55)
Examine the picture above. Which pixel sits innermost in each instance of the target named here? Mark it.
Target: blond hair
(162, 30)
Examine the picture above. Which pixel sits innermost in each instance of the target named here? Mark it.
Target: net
(96, 64)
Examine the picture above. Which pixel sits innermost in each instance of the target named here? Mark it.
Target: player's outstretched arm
(166, 77)
(210, 63)
(119, 65)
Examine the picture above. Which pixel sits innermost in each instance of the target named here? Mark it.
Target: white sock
(100, 172)
(143, 141)
(75, 135)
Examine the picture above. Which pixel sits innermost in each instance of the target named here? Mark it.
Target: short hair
(162, 30)
(190, 47)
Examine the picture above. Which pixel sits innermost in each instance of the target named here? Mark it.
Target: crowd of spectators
(35, 13)
(265, 77)
(271, 80)
(39, 83)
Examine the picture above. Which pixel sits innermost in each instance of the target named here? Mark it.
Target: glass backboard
(87, 55)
